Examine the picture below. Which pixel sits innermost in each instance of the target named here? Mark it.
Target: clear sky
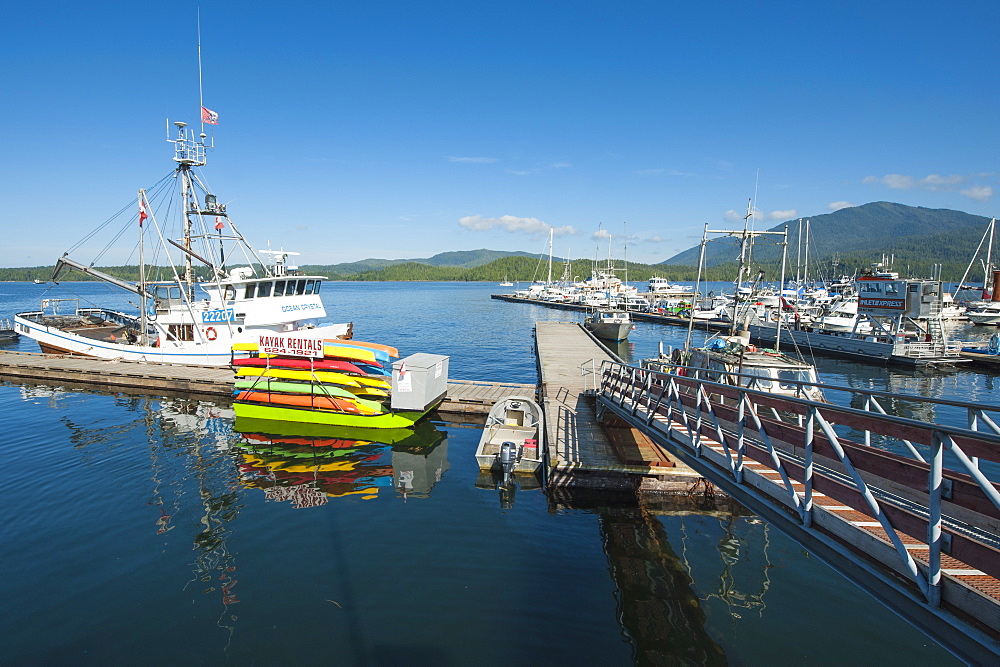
(402, 129)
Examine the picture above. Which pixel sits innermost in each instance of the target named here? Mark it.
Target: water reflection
(508, 488)
(657, 606)
(307, 464)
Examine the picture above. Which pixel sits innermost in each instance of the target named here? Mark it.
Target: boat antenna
(201, 91)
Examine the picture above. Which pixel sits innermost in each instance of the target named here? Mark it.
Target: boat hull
(615, 332)
(53, 340)
(517, 420)
(389, 420)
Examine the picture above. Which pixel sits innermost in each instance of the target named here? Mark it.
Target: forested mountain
(917, 237)
(845, 241)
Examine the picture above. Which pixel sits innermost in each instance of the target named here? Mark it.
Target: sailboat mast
(805, 273)
(697, 289)
(625, 234)
(142, 270)
(989, 255)
(549, 281)
(798, 257)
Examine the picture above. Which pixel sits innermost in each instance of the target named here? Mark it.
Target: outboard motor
(508, 459)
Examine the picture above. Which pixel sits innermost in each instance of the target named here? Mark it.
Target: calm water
(150, 530)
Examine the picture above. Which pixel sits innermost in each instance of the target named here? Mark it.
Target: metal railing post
(934, 483)
(807, 472)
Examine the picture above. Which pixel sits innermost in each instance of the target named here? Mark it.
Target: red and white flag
(142, 211)
(218, 224)
(209, 116)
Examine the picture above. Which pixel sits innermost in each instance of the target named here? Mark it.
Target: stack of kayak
(347, 384)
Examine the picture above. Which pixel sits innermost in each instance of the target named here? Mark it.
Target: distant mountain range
(860, 235)
(922, 242)
(462, 259)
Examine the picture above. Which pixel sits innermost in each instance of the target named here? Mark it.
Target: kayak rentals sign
(290, 346)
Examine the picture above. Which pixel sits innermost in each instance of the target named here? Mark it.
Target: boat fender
(210, 333)
(751, 348)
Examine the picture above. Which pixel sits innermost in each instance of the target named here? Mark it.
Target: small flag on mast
(218, 224)
(142, 211)
(209, 116)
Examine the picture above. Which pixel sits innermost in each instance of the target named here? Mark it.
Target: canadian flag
(142, 211)
(209, 116)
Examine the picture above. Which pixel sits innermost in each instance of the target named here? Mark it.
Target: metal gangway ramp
(898, 505)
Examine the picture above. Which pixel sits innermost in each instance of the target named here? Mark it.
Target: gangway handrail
(976, 413)
(643, 390)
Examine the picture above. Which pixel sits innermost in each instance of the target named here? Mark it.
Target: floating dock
(713, 325)
(464, 396)
(581, 452)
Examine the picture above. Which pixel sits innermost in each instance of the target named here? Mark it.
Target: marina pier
(464, 397)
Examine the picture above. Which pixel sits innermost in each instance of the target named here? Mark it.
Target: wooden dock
(580, 451)
(466, 397)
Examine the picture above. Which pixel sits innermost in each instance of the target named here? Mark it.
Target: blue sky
(397, 130)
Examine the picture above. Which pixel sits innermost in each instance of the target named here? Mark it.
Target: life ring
(210, 333)
(775, 317)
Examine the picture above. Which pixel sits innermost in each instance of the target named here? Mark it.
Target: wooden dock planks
(580, 453)
(464, 396)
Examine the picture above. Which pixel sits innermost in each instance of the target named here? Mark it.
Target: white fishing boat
(609, 323)
(512, 437)
(733, 360)
(730, 358)
(181, 319)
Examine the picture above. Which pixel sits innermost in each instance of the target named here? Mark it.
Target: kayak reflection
(307, 464)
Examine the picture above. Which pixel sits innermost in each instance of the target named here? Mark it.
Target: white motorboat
(609, 323)
(512, 437)
(986, 314)
(184, 320)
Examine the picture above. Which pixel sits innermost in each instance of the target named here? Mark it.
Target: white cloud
(513, 224)
(560, 165)
(980, 193)
(473, 160)
(787, 214)
(732, 216)
(837, 205)
(601, 234)
(941, 183)
(931, 182)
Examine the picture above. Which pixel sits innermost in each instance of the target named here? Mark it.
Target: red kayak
(318, 364)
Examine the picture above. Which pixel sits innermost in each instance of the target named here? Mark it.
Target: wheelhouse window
(263, 289)
(250, 291)
(309, 286)
(319, 283)
(180, 331)
(300, 287)
(279, 288)
(761, 378)
(786, 377)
